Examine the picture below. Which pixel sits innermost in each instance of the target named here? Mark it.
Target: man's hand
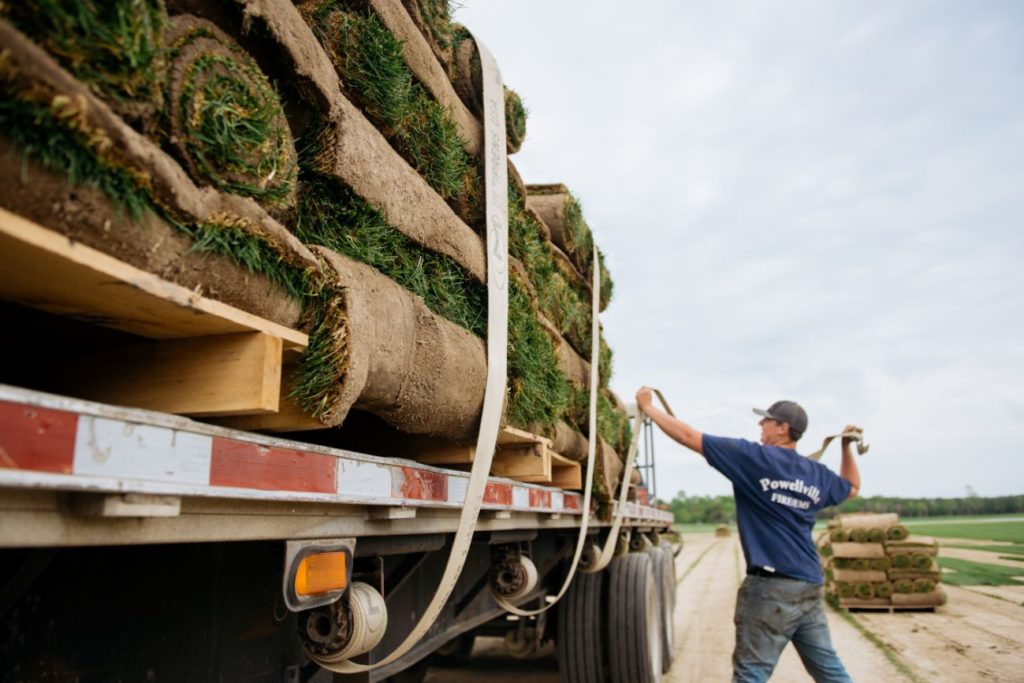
(643, 398)
(847, 440)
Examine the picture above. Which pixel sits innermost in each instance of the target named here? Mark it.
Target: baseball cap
(789, 412)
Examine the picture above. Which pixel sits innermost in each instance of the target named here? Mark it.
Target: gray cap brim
(763, 413)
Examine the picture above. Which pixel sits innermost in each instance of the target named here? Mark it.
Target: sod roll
(867, 520)
(897, 532)
(224, 119)
(845, 590)
(876, 535)
(881, 564)
(900, 561)
(936, 598)
(903, 586)
(924, 585)
(394, 358)
(864, 590)
(859, 535)
(883, 590)
(920, 561)
(839, 536)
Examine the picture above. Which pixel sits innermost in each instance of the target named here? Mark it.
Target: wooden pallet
(196, 356)
(520, 455)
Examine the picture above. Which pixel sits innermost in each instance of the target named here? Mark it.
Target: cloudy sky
(821, 201)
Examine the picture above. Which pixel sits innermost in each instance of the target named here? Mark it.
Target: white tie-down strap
(857, 436)
(627, 474)
(496, 194)
(595, 335)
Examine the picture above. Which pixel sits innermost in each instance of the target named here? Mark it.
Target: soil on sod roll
(419, 372)
(224, 119)
(115, 46)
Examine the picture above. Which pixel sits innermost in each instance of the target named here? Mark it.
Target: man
(777, 493)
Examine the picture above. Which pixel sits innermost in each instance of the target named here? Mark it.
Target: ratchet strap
(595, 332)
(496, 193)
(857, 436)
(613, 535)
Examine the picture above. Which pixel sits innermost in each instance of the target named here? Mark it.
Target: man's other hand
(643, 398)
(850, 428)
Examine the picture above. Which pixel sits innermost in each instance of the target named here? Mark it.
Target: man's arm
(848, 469)
(675, 428)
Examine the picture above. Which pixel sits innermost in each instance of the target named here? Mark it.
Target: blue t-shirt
(778, 491)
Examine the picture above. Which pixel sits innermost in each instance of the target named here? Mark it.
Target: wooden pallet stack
(871, 562)
(316, 168)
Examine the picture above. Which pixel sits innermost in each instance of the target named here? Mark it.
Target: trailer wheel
(634, 618)
(665, 577)
(580, 635)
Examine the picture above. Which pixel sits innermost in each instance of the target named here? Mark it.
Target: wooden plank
(510, 436)
(233, 374)
(565, 473)
(42, 269)
(528, 462)
(290, 417)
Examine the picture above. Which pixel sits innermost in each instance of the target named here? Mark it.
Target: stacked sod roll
(318, 164)
(870, 560)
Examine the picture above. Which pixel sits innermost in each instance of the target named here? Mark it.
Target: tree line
(722, 509)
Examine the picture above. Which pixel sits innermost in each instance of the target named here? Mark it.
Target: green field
(1013, 550)
(1008, 529)
(967, 573)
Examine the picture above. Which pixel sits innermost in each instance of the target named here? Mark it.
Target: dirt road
(979, 635)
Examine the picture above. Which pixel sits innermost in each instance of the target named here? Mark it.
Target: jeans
(770, 612)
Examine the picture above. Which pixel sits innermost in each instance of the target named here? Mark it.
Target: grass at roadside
(887, 651)
(1008, 529)
(967, 573)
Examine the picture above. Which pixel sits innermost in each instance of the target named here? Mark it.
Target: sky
(816, 201)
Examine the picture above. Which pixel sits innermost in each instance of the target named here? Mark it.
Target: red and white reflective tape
(90, 446)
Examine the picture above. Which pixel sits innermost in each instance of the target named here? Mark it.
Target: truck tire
(665, 577)
(634, 620)
(581, 625)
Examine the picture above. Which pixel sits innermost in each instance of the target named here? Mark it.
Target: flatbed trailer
(141, 545)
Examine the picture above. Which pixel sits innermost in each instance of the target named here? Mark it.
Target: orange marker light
(321, 573)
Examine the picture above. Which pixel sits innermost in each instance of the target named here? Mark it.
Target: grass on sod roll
(920, 561)
(1005, 528)
(876, 535)
(374, 74)
(841, 563)
(881, 564)
(231, 120)
(515, 119)
(860, 564)
(839, 535)
(883, 590)
(322, 367)
(846, 590)
(901, 561)
(859, 535)
(903, 586)
(967, 573)
(923, 585)
(538, 390)
(864, 590)
(566, 307)
(826, 551)
(897, 532)
(333, 216)
(114, 45)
